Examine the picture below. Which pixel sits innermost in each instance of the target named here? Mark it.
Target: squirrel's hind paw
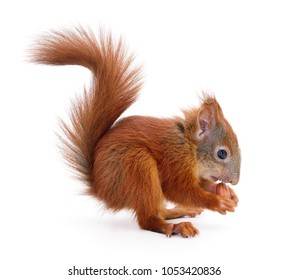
(185, 229)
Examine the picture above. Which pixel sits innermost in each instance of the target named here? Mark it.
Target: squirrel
(140, 162)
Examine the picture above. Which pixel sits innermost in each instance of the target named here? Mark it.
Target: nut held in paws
(223, 190)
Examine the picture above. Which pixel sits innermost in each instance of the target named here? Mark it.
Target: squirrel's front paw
(225, 191)
(233, 196)
(224, 204)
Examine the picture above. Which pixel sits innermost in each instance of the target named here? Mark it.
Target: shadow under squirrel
(139, 162)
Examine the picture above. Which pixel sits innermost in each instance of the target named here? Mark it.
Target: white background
(237, 49)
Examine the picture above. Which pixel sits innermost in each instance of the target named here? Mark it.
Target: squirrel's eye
(222, 154)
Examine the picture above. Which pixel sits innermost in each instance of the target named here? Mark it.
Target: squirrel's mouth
(215, 179)
(222, 180)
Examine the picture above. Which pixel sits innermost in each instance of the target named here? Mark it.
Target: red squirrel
(140, 162)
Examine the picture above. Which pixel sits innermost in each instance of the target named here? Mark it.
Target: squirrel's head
(218, 151)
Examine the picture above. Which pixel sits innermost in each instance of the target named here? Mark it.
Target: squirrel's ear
(206, 120)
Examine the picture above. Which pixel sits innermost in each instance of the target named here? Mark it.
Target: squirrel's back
(114, 87)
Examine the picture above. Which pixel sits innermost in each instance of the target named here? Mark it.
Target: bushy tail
(114, 88)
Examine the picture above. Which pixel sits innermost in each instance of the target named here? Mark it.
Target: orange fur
(137, 162)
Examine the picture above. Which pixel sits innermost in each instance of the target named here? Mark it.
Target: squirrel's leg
(149, 198)
(179, 212)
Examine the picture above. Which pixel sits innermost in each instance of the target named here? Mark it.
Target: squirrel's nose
(234, 178)
(234, 181)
